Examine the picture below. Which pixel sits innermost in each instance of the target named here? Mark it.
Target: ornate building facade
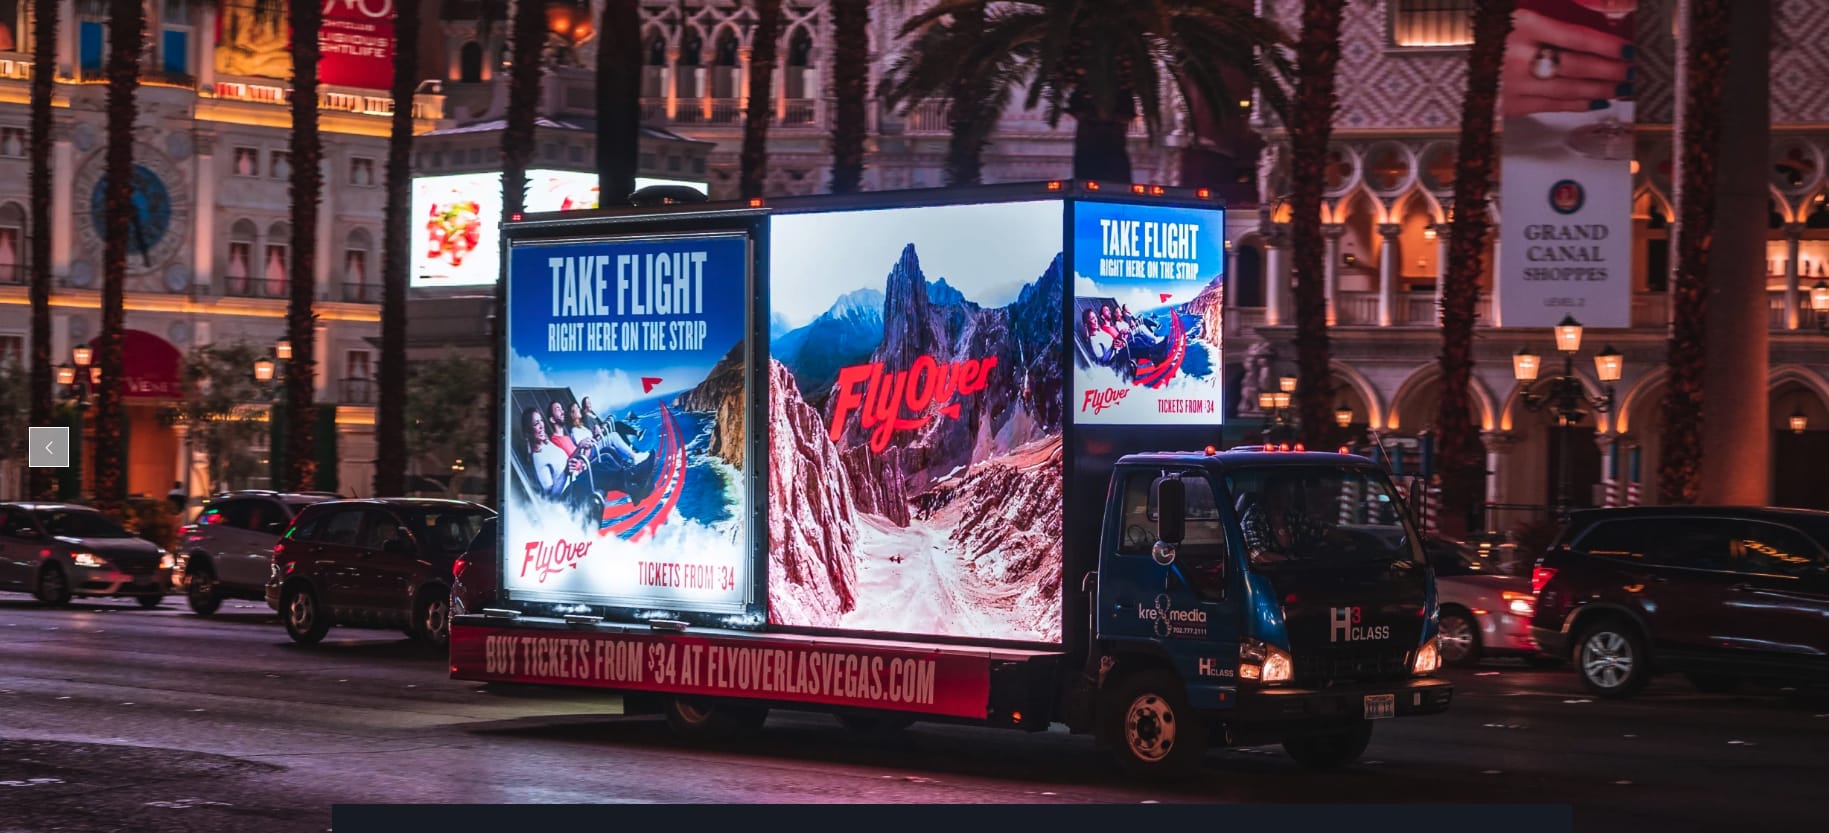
(1390, 181)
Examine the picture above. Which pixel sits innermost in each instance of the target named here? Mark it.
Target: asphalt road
(113, 718)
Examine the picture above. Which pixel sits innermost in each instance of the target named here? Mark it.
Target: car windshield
(1319, 515)
(79, 523)
(451, 530)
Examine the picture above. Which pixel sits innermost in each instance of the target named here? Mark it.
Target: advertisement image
(356, 41)
(456, 226)
(915, 404)
(1565, 246)
(553, 190)
(1148, 295)
(624, 466)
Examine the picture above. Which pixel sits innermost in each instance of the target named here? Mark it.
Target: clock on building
(147, 223)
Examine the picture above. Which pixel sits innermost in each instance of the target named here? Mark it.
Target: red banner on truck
(923, 680)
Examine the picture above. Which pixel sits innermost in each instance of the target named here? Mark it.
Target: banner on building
(355, 43)
(1566, 239)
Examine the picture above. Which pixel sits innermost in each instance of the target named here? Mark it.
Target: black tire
(304, 615)
(432, 617)
(873, 725)
(149, 602)
(52, 587)
(1152, 729)
(1334, 750)
(202, 591)
(1715, 683)
(705, 719)
(1611, 659)
(1458, 638)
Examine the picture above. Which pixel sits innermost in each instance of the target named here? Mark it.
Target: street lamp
(1566, 398)
(1799, 421)
(1343, 415)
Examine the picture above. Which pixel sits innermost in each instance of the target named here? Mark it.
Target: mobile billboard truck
(892, 458)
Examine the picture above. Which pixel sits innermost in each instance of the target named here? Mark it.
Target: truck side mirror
(1171, 510)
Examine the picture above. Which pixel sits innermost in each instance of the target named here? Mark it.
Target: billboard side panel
(635, 348)
(916, 391)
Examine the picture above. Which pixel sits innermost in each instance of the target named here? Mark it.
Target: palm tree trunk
(529, 34)
(1311, 123)
(1704, 66)
(966, 118)
(850, 77)
(1461, 457)
(1101, 148)
(126, 22)
(390, 422)
(44, 70)
(619, 71)
(305, 20)
(764, 48)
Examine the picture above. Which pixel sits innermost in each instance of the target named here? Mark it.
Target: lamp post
(1276, 407)
(1566, 399)
(270, 377)
(78, 380)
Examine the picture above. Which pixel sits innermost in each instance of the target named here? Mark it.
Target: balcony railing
(1356, 309)
(425, 106)
(358, 392)
(232, 287)
(800, 112)
(1421, 312)
(653, 109)
(16, 68)
(726, 111)
(361, 293)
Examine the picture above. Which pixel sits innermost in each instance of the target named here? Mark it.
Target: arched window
(692, 48)
(657, 51)
(727, 49)
(1248, 277)
(800, 80)
(689, 76)
(239, 268)
(470, 63)
(800, 49)
(274, 263)
(356, 267)
(12, 243)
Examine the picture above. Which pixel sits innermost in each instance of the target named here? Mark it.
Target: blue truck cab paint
(1292, 603)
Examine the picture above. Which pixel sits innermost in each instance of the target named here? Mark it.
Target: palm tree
(529, 34)
(390, 419)
(1102, 64)
(1317, 56)
(764, 47)
(1704, 68)
(973, 102)
(307, 151)
(618, 101)
(44, 72)
(126, 20)
(850, 83)
(1458, 441)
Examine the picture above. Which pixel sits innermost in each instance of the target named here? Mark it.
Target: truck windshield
(1316, 515)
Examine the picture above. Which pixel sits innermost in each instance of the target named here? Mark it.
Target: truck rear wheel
(1152, 728)
(706, 719)
(1333, 750)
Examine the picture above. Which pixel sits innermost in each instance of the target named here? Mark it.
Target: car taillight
(1541, 576)
(457, 568)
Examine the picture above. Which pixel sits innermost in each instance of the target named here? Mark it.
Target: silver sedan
(1484, 593)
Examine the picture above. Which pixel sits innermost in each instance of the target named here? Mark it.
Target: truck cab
(1252, 597)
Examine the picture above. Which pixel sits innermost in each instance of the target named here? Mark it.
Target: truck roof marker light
(515, 217)
(1157, 190)
(1301, 447)
(1212, 451)
(755, 202)
(1137, 189)
(1092, 185)
(1056, 185)
(1203, 193)
(1282, 447)
(1015, 717)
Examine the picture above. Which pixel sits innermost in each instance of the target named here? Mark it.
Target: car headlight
(1428, 659)
(166, 561)
(87, 559)
(1262, 662)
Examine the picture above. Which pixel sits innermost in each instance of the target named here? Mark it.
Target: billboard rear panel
(624, 477)
(916, 390)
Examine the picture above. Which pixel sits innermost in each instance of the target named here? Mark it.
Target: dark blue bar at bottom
(926, 818)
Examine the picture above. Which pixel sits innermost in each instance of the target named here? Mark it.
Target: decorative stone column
(1794, 233)
(1499, 445)
(1276, 272)
(1441, 270)
(1330, 267)
(1390, 272)
(203, 232)
(63, 198)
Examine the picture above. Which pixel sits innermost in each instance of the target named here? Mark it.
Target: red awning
(154, 368)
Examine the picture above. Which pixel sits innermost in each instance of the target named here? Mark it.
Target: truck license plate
(1380, 706)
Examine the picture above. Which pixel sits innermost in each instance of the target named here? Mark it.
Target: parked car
(1484, 590)
(60, 550)
(228, 552)
(1720, 594)
(473, 583)
(372, 563)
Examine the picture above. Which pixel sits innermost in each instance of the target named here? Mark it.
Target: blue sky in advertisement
(600, 317)
(988, 251)
(1135, 251)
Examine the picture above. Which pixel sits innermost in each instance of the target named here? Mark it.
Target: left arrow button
(50, 446)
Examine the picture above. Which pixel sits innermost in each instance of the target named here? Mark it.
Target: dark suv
(227, 553)
(1720, 594)
(371, 563)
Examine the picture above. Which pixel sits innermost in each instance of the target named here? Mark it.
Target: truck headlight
(1262, 662)
(87, 559)
(1428, 659)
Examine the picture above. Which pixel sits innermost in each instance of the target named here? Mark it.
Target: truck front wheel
(704, 719)
(1333, 750)
(1151, 727)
